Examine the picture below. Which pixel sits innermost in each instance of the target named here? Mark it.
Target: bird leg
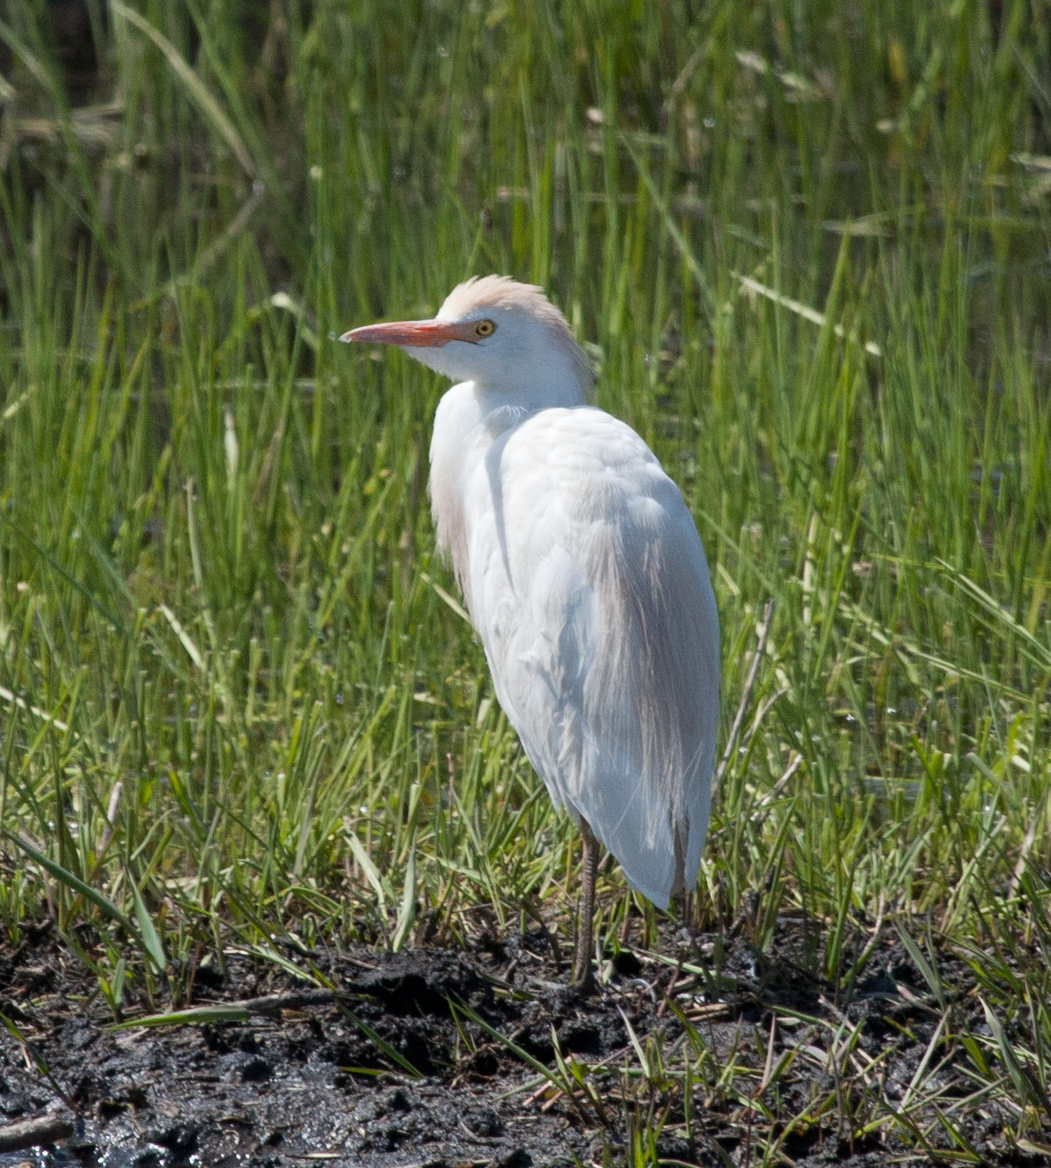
(686, 905)
(582, 978)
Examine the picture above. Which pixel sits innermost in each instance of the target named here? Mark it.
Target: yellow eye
(484, 328)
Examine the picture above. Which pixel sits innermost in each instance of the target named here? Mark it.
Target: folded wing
(590, 591)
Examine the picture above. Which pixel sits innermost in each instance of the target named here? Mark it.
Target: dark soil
(302, 1079)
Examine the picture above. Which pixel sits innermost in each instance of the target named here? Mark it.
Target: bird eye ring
(484, 328)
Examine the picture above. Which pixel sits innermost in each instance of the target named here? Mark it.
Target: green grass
(236, 703)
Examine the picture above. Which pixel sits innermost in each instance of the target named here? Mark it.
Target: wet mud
(427, 1058)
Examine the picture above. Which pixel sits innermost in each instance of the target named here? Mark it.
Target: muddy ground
(302, 1078)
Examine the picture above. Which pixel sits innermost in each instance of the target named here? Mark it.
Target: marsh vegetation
(242, 718)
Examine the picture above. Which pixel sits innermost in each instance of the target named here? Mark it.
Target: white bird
(584, 577)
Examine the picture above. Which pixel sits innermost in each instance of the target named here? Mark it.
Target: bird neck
(561, 379)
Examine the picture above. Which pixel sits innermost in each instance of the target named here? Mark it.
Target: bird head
(502, 335)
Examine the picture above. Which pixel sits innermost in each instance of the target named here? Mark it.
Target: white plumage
(583, 574)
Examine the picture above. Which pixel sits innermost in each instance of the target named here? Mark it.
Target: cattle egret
(584, 577)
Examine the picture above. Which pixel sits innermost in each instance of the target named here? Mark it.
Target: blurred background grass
(807, 248)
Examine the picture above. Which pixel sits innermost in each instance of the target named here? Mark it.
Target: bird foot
(583, 980)
(586, 986)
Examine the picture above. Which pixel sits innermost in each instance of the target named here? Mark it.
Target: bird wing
(590, 591)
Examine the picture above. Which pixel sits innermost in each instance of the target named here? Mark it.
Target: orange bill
(413, 334)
